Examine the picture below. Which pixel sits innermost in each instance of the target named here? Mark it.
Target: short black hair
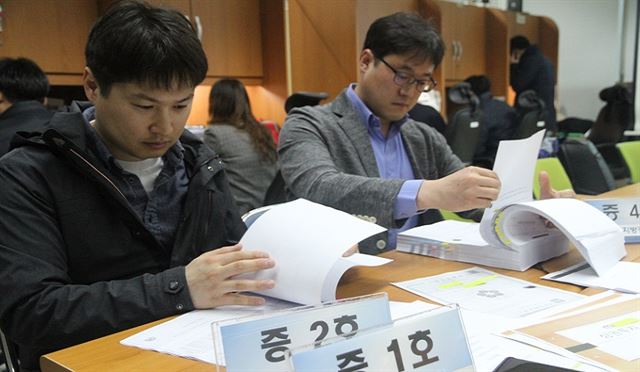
(519, 42)
(136, 42)
(479, 84)
(405, 32)
(21, 79)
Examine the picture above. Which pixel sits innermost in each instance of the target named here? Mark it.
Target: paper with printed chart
(485, 291)
(517, 232)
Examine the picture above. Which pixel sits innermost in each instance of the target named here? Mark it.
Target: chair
(557, 175)
(10, 354)
(532, 113)
(447, 215)
(615, 117)
(300, 99)
(630, 151)
(463, 130)
(616, 163)
(587, 170)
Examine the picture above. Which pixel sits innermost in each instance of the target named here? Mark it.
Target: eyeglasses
(402, 79)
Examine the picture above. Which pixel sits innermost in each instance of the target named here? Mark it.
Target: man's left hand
(548, 192)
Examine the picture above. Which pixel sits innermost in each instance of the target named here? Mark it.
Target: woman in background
(245, 146)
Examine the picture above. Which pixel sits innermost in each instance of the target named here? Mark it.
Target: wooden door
(471, 38)
(231, 36)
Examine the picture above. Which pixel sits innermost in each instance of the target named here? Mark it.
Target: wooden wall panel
(52, 33)
(322, 45)
(497, 53)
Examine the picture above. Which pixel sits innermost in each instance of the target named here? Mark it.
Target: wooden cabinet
(463, 31)
(230, 33)
(51, 33)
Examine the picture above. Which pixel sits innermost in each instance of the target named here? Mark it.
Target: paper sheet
(515, 164)
(190, 336)
(305, 240)
(622, 277)
(488, 292)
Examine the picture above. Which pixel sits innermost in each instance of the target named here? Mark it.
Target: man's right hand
(211, 282)
(468, 188)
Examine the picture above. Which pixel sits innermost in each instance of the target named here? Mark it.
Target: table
(106, 353)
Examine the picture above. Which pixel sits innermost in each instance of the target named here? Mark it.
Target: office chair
(463, 130)
(10, 354)
(616, 163)
(573, 127)
(630, 151)
(532, 113)
(300, 99)
(587, 170)
(615, 117)
(557, 175)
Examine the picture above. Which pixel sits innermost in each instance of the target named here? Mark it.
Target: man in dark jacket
(23, 90)
(498, 121)
(114, 217)
(531, 70)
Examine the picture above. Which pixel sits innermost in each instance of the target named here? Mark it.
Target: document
(517, 232)
(190, 336)
(485, 291)
(606, 332)
(307, 241)
(622, 277)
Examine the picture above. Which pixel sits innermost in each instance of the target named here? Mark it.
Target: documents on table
(488, 292)
(605, 331)
(189, 335)
(307, 241)
(517, 232)
(623, 277)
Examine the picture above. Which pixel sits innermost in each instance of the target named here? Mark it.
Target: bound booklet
(518, 232)
(307, 241)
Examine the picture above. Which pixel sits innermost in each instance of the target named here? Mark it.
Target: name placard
(260, 342)
(431, 340)
(625, 212)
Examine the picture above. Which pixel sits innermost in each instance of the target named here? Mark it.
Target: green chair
(452, 216)
(631, 153)
(559, 178)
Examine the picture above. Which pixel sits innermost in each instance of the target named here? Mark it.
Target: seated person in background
(116, 216)
(362, 154)
(499, 121)
(245, 146)
(23, 90)
(428, 115)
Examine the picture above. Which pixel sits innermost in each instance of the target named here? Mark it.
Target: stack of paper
(517, 232)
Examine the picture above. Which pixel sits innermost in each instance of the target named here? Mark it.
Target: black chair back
(615, 117)
(463, 130)
(616, 163)
(532, 114)
(585, 166)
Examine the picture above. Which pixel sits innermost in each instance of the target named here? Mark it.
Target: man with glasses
(362, 154)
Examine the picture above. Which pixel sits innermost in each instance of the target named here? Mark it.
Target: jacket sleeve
(309, 152)
(41, 308)
(523, 74)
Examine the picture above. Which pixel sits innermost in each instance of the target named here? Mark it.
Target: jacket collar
(350, 121)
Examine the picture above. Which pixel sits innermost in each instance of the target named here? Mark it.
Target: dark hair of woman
(229, 104)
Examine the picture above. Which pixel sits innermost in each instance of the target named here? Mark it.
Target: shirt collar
(367, 116)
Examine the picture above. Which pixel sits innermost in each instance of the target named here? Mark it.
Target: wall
(593, 53)
(589, 50)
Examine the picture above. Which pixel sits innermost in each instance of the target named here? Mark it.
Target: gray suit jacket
(326, 156)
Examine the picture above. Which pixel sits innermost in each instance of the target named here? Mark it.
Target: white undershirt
(147, 170)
